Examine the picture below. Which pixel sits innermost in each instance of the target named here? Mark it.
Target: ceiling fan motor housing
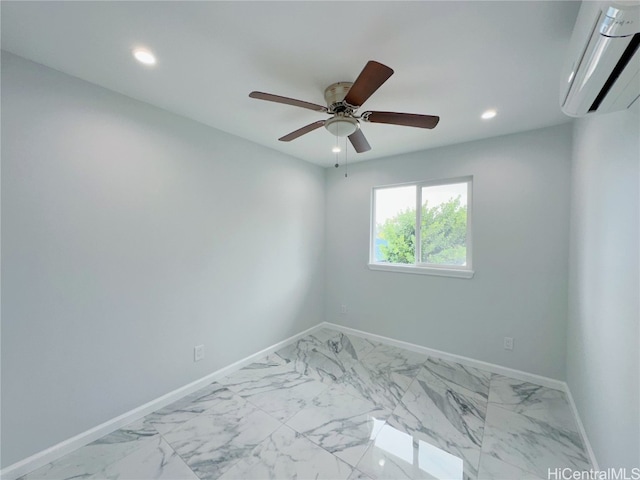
(336, 92)
(342, 124)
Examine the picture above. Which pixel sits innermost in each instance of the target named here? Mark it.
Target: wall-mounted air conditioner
(602, 73)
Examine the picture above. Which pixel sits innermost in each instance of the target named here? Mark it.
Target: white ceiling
(453, 59)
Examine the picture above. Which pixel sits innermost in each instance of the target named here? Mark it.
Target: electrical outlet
(198, 353)
(508, 343)
(343, 309)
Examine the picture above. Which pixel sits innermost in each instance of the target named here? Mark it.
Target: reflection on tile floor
(337, 406)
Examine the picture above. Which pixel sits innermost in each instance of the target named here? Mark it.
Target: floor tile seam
(470, 393)
(142, 442)
(306, 438)
(260, 442)
(465, 459)
(464, 443)
(307, 366)
(484, 429)
(368, 353)
(555, 389)
(439, 383)
(337, 383)
(307, 378)
(285, 368)
(371, 442)
(467, 441)
(379, 370)
(61, 462)
(325, 349)
(538, 421)
(302, 434)
(265, 412)
(267, 389)
(520, 467)
(393, 412)
(325, 387)
(420, 364)
(362, 397)
(282, 422)
(145, 443)
(193, 417)
(439, 378)
(406, 390)
(307, 375)
(443, 387)
(233, 463)
(535, 420)
(345, 417)
(208, 410)
(541, 402)
(178, 454)
(184, 397)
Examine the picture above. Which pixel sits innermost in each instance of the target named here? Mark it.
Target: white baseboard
(583, 433)
(65, 447)
(489, 367)
(57, 451)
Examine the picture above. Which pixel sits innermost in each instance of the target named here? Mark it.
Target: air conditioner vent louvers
(602, 71)
(620, 66)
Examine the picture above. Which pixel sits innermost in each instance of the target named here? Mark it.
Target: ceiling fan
(343, 100)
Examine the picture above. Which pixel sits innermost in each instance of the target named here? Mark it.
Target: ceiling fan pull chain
(346, 161)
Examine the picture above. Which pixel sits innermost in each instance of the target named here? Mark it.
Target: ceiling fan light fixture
(341, 126)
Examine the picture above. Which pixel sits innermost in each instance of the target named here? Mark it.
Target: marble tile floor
(336, 406)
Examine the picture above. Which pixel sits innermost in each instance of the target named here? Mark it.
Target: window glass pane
(444, 224)
(395, 225)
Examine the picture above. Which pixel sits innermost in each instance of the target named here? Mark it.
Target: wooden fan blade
(301, 131)
(288, 101)
(372, 76)
(406, 119)
(359, 141)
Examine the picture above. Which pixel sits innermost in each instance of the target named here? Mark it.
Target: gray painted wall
(520, 253)
(603, 363)
(129, 235)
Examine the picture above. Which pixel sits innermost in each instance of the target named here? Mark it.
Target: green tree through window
(399, 236)
(423, 227)
(443, 232)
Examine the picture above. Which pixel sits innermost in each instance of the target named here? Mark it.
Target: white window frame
(463, 271)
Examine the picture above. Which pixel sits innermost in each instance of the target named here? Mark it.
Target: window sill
(442, 272)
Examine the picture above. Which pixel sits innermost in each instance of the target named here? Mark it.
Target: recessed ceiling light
(336, 149)
(489, 114)
(144, 56)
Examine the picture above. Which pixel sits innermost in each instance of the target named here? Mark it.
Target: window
(423, 228)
